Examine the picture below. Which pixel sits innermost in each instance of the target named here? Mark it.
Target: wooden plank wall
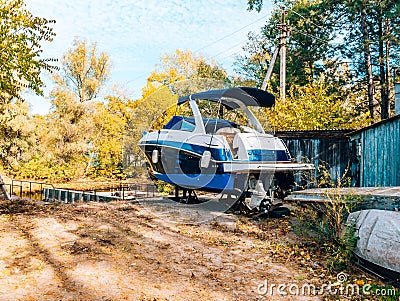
(380, 154)
(326, 149)
(370, 157)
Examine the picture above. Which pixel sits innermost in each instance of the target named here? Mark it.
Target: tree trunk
(367, 57)
(383, 79)
(387, 45)
(382, 73)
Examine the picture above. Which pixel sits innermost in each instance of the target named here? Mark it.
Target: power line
(236, 52)
(222, 52)
(228, 56)
(310, 36)
(234, 46)
(308, 20)
(231, 34)
(212, 43)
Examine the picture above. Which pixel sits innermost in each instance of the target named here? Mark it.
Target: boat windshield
(211, 125)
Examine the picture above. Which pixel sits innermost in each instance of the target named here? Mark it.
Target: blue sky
(135, 33)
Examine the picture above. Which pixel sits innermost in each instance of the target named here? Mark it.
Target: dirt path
(120, 251)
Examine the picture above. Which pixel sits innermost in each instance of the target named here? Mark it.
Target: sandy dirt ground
(123, 251)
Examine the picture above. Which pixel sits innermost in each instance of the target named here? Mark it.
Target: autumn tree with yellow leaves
(64, 151)
(21, 66)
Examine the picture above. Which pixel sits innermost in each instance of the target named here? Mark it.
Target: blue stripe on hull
(218, 154)
(212, 182)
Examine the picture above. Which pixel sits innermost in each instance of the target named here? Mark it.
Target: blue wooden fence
(328, 150)
(378, 152)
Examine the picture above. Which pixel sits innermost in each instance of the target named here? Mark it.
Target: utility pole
(281, 49)
(270, 68)
(282, 75)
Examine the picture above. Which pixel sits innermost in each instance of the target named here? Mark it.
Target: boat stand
(188, 196)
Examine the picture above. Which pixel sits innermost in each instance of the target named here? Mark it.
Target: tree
(255, 4)
(17, 135)
(179, 73)
(111, 120)
(21, 35)
(309, 47)
(313, 107)
(84, 71)
(253, 65)
(182, 65)
(360, 32)
(372, 44)
(66, 147)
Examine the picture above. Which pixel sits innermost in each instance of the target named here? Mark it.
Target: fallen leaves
(216, 261)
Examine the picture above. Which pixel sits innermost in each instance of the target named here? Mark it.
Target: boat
(374, 220)
(216, 144)
(378, 244)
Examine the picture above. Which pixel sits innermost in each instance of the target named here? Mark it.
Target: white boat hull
(379, 237)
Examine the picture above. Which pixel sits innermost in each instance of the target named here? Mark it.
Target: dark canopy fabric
(233, 96)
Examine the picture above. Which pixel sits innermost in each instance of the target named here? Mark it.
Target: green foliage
(371, 43)
(308, 57)
(320, 95)
(318, 224)
(21, 35)
(314, 107)
(376, 290)
(255, 4)
(326, 222)
(324, 34)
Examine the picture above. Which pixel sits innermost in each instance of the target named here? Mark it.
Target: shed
(329, 149)
(378, 152)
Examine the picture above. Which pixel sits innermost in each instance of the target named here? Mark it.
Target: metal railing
(127, 191)
(27, 189)
(124, 192)
(47, 192)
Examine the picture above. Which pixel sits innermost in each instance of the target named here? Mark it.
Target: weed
(163, 187)
(325, 221)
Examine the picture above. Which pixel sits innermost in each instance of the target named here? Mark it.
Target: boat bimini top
(234, 98)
